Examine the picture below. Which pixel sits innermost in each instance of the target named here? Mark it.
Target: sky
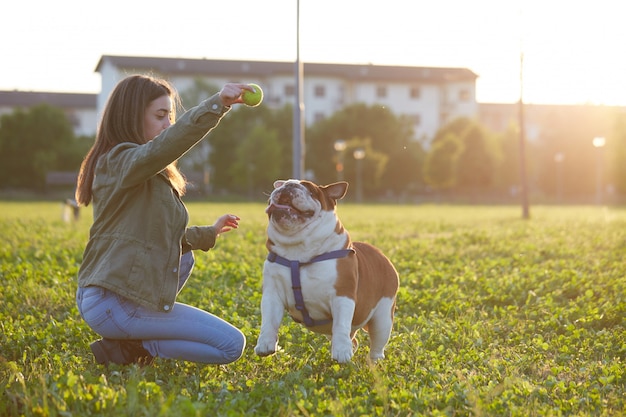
(573, 50)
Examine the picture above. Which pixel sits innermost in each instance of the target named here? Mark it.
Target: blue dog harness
(295, 279)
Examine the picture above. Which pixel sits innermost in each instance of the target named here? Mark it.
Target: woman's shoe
(121, 352)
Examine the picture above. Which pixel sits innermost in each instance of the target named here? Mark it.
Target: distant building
(541, 119)
(430, 97)
(79, 108)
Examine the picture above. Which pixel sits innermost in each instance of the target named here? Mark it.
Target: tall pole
(298, 108)
(522, 143)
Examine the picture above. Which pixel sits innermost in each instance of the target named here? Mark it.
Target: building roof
(16, 98)
(357, 72)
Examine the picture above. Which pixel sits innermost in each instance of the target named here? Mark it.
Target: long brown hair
(122, 121)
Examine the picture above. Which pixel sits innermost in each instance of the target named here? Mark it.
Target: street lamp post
(599, 142)
(340, 146)
(359, 154)
(298, 108)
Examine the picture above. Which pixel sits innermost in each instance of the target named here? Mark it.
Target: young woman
(139, 253)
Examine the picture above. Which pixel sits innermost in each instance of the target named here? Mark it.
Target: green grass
(496, 316)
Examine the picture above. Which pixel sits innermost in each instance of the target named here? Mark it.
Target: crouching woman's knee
(236, 348)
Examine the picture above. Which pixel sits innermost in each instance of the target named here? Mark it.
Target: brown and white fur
(356, 291)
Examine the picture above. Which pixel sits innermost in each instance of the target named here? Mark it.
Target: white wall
(435, 105)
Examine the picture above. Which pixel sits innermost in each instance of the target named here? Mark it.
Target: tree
(387, 134)
(441, 162)
(197, 158)
(255, 168)
(456, 127)
(404, 171)
(199, 91)
(35, 141)
(508, 171)
(233, 131)
(371, 166)
(463, 156)
(477, 160)
(218, 156)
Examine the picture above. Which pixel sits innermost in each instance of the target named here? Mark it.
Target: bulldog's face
(295, 203)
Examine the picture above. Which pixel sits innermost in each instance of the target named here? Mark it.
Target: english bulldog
(324, 280)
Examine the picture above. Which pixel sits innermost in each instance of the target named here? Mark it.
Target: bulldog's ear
(336, 190)
(279, 183)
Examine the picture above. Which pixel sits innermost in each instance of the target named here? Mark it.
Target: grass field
(496, 316)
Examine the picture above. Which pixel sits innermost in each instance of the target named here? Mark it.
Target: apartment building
(80, 109)
(430, 97)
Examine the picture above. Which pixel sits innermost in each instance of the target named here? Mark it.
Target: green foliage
(463, 156)
(200, 90)
(440, 165)
(372, 166)
(477, 162)
(403, 171)
(495, 316)
(508, 171)
(237, 128)
(256, 163)
(388, 135)
(196, 159)
(251, 146)
(35, 141)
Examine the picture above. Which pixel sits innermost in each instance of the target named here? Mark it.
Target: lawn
(496, 316)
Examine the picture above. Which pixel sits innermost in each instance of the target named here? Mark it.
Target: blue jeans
(186, 332)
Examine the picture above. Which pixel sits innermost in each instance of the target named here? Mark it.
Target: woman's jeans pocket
(88, 299)
(104, 311)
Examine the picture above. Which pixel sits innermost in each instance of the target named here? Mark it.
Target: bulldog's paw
(265, 348)
(342, 352)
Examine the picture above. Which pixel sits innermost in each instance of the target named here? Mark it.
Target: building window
(290, 90)
(318, 117)
(381, 91)
(415, 92)
(464, 95)
(416, 119)
(320, 91)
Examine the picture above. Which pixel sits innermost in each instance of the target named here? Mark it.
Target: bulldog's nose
(287, 194)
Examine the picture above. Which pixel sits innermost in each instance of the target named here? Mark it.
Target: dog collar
(296, 286)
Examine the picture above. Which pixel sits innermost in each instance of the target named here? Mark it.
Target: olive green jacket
(140, 228)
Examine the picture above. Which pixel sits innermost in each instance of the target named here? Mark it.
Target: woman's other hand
(226, 223)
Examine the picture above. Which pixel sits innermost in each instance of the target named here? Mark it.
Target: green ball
(253, 99)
